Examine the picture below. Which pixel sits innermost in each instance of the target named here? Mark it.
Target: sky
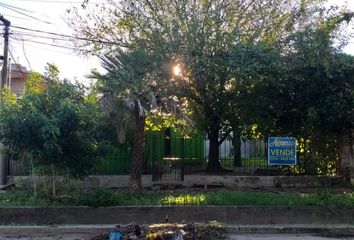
(34, 49)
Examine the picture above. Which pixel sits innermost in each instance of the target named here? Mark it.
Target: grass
(101, 197)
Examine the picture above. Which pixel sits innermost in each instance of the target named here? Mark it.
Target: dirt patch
(166, 231)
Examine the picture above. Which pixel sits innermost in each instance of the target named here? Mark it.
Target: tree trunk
(34, 180)
(213, 161)
(346, 153)
(54, 182)
(138, 154)
(236, 143)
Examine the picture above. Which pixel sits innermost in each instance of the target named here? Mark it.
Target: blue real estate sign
(281, 151)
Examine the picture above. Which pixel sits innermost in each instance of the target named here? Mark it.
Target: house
(17, 78)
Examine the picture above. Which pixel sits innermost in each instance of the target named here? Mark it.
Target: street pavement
(50, 237)
(280, 237)
(232, 237)
(240, 232)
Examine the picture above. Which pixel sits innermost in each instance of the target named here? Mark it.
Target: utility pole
(4, 74)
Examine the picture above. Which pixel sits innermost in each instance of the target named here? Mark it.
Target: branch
(226, 135)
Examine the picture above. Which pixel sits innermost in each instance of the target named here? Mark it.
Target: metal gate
(169, 168)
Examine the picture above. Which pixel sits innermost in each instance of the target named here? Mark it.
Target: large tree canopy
(309, 96)
(224, 47)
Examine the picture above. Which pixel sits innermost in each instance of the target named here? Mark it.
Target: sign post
(281, 151)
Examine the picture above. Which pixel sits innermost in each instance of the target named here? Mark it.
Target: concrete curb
(55, 229)
(147, 214)
(292, 229)
(330, 230)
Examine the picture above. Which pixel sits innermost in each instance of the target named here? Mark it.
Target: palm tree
(129, 90)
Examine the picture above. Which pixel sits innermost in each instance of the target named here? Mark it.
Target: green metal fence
(169, 151)
(158, 147)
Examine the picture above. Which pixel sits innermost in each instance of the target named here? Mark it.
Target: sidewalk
(336, 230)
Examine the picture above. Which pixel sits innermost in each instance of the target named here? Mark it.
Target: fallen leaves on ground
(166, 231)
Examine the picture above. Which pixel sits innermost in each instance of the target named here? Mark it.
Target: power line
(48, 49)
(41, 36)
(13, 16)
(54, 45)
(54, 38)
(49, 44)
(64, 36)
(42, 46)
(24, 14)
(25, 54)
(67, 36)
(18, 8)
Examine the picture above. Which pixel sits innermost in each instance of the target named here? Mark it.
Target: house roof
(18, 71)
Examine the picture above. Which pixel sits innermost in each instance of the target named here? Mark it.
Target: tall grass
(101, 197)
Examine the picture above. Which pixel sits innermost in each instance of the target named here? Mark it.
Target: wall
(210, 181)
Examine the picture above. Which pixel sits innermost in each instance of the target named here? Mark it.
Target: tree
(308, 94)
(132, 89)
(34, 83)
(51, 127)
(201, 36)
